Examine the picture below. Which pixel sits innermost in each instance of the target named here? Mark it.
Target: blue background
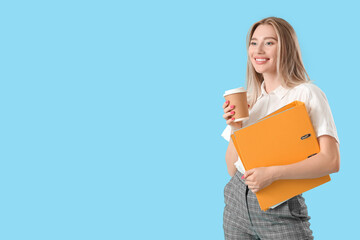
(111, 114)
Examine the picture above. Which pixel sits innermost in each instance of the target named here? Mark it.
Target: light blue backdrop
(111, 114)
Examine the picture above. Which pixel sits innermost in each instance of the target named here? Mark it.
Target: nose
(260, 48)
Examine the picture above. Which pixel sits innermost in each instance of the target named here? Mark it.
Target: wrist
(276, 173)
(235, 127)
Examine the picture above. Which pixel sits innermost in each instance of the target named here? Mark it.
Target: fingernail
(248, 105)
(242, 177)
(233, 119)
(232, 106)
(232, 112)
(227, 101)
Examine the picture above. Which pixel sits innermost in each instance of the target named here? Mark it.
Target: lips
(261, 60)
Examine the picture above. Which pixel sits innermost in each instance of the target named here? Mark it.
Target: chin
(260, 71)
(263, 70)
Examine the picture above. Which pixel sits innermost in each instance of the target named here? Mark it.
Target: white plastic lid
(235, 90)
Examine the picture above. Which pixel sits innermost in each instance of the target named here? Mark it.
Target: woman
(275, 77)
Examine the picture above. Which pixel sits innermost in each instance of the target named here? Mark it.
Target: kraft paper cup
(238, 98)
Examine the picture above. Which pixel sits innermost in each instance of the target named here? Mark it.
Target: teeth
(261, 59)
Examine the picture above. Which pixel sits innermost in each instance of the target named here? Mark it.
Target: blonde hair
(289, 62)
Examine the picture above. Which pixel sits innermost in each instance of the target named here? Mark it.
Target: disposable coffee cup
(238, 98)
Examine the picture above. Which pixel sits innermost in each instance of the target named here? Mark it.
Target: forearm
(231, 157)
(316, 166)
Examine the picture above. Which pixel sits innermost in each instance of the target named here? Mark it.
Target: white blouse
(315, 101)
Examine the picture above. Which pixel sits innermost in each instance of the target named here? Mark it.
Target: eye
(253, 43)
(269, 43)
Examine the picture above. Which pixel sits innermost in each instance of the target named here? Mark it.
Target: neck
(272, 81)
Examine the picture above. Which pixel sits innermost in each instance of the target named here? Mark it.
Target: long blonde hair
(289, 63)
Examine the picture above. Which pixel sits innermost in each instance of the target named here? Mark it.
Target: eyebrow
(265, 38)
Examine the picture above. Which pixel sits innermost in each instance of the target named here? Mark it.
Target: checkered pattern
(243, 218)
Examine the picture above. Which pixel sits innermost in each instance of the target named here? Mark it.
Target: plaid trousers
(243, 218)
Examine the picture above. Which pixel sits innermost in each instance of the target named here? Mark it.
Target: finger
(231, 120)
(249, 179)
(228, 115)
(226, 103)
(248, 173)
(252, 188)
(229, 108)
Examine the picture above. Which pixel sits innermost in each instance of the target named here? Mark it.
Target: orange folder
(283, 137)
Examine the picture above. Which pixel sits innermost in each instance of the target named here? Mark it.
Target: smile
(261, 60)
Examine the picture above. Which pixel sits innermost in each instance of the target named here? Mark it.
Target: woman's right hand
(229, 111)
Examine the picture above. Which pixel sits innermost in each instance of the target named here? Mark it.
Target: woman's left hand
(259, 178)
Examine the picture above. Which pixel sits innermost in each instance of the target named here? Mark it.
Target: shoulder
(307, 91)
(307, 87)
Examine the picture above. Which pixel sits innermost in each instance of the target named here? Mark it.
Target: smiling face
(263, 49)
